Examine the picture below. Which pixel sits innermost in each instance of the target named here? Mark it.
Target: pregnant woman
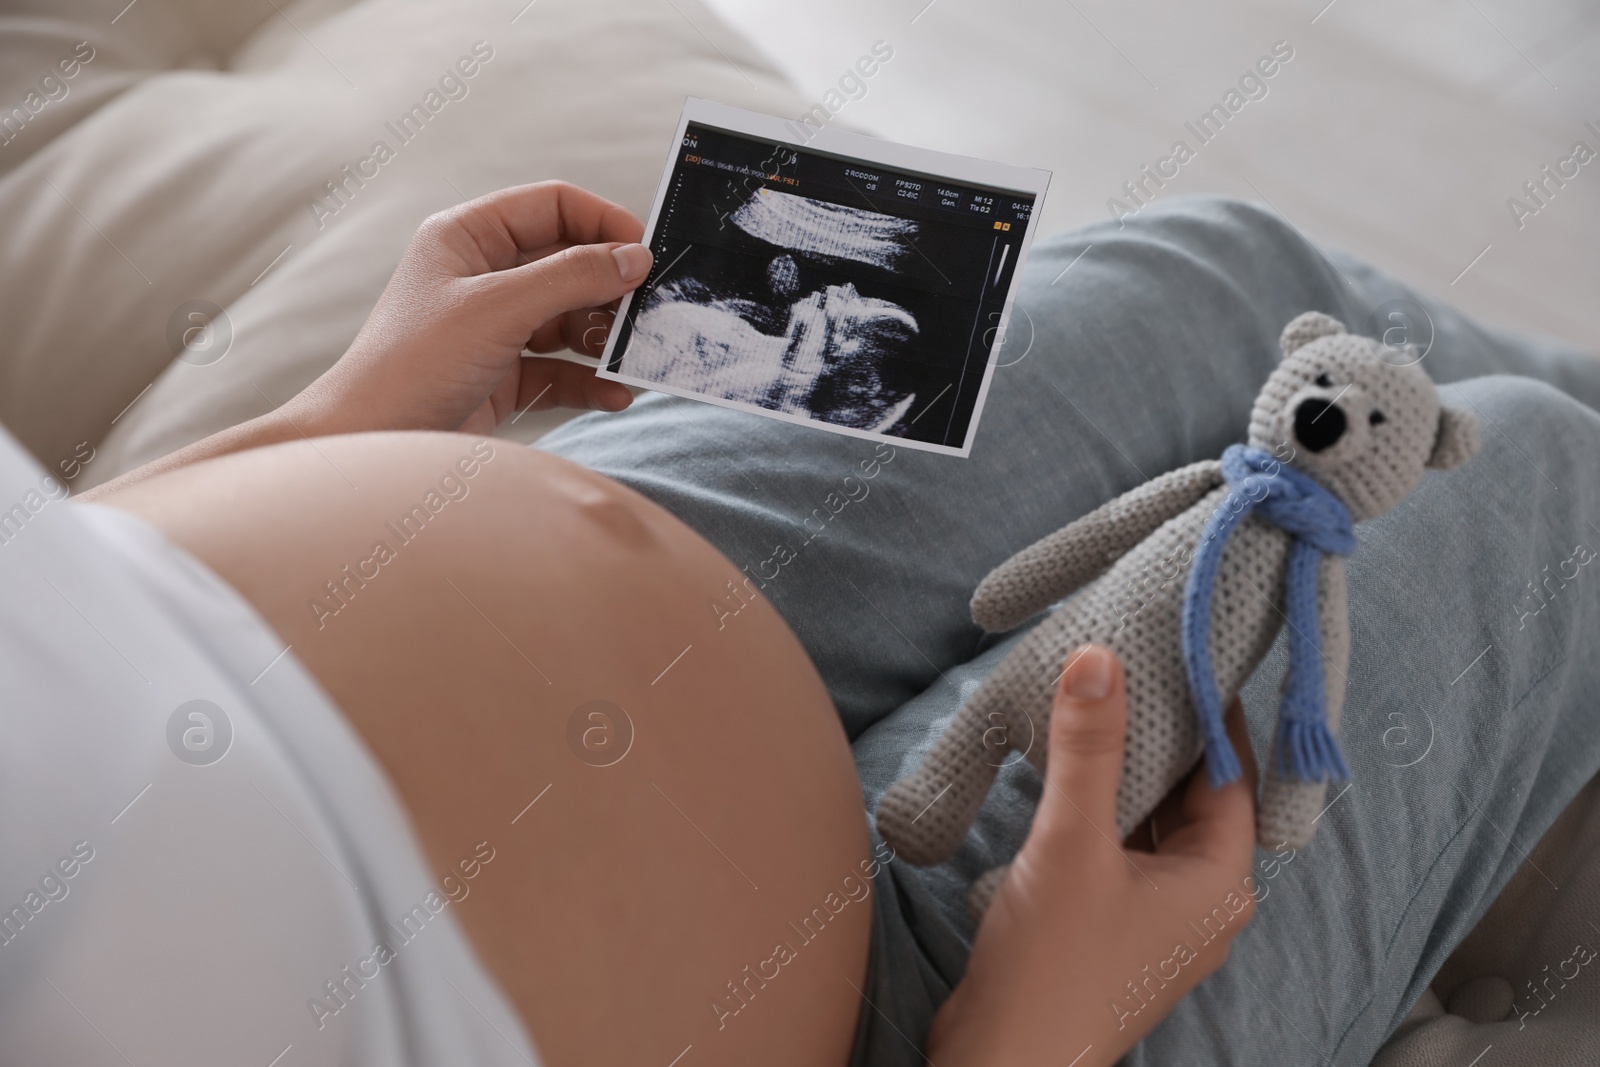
(652, 669)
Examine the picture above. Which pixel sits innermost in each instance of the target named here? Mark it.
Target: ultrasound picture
(823, 288)
(807, 341)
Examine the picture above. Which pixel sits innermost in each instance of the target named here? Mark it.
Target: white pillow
(176, 186)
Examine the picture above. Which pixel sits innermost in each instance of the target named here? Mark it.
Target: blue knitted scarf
(1319, 523)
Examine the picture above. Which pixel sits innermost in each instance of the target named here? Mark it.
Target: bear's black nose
(1318, 424)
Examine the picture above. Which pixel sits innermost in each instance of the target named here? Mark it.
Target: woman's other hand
(538, 266)
(1086, 945)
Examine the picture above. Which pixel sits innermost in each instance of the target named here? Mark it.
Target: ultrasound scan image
(810, 343)
(844, 307)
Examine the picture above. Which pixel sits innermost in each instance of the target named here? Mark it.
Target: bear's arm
(1051, 568)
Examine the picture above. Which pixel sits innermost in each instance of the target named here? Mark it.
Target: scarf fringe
(1307, 750)
(1222, 763)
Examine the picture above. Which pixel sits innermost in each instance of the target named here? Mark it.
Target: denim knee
(1224, 213)
(1528, 413)
(1202, 225)
(1188, 275)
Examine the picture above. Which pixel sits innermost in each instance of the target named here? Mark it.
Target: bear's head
(1344, 410)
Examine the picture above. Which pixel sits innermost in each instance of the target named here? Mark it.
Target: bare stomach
(505, 629)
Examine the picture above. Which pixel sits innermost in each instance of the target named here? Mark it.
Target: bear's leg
(1288, 810)
(926, 814)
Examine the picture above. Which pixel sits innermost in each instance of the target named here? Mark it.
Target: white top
(232, 881)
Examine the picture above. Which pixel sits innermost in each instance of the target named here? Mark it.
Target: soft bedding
(222, 161)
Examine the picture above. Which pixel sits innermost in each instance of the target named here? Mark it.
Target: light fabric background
(186, 154)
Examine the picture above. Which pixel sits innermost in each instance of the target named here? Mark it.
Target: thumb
(575, 278)
(1088, 732)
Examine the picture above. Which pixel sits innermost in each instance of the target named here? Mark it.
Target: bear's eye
(1324, 381)
(1376, 419)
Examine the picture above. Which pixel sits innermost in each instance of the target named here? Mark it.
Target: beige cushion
(147, 187)
(1527, 979)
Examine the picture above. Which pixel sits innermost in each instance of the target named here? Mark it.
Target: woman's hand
(538, 266)
(1087, 946)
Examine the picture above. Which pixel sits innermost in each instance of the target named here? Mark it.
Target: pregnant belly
(530, 651)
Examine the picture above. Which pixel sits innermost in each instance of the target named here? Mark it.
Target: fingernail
(633, 262)
(616, 400)
(1089, 673)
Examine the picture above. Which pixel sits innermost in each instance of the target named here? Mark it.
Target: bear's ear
(1457, 441)
(1308, 326)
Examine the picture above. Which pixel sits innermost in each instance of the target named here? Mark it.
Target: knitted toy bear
(1188, 578)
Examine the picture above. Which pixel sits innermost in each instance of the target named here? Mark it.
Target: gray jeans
(1469, 720)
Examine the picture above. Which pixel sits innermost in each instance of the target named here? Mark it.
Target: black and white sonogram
(803, 340)
(821, 289)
